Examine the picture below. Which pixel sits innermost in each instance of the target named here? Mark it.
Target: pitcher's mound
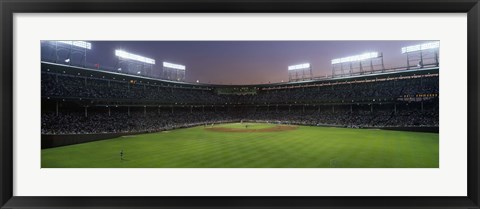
(246, 130)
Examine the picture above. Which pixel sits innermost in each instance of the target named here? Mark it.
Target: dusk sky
(246, 62)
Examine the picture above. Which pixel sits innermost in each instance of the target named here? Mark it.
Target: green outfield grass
(304, 147)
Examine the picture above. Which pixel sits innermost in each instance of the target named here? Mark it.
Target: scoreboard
(237, 90)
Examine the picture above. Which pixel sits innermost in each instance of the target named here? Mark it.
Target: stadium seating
(83, 104)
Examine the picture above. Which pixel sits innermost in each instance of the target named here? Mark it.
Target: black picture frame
(10, 7)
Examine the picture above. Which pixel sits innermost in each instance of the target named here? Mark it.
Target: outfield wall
(58, 140)
(414, 129)
(429, 129)
(50, 140)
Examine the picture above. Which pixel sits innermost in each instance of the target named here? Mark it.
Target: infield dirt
(246, 130)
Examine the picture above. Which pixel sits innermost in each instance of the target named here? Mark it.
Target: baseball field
(253, 145)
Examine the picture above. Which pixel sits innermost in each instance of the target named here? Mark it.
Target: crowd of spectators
(404, 118)
(67, 86)
(76, 122)
(257, 107)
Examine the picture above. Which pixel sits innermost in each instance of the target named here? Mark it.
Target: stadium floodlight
(173, 66)
(126, 55)
(299, 66)
(355, 58)
(173, 71)
(67, 60)
(81, 44)
(420, 47)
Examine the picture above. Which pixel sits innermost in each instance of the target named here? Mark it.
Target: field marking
(277, 128)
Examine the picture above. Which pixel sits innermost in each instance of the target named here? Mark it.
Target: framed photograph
(239, 104)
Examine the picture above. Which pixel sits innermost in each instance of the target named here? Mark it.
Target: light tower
(422, 55)
(134, 64)
(67, 52)
(174, 72)
(300, 72)
(358, 64)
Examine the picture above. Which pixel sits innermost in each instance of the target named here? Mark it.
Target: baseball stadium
(362, 114)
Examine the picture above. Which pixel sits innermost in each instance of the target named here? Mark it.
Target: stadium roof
(100, 73)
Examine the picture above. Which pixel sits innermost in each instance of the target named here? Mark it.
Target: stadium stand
(80, 101)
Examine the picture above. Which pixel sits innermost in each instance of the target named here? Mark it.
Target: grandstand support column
(371, 107)
(421, 59)
(56, 51)
(108, 83)
(395, 108)
(85, 57)
(86, 111)
(351, 108)
(371, 65)
(203, 108)
(408, 62)
(361, 68)
(303, 110)
(422, 104)
(383, 65)
(144, 110)
(311, 72)
(276, 108)
(191, 109)
(109, 112)
(70, 54)
(128, 110)
(85, 81)
(172, 108)
(333, 108)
